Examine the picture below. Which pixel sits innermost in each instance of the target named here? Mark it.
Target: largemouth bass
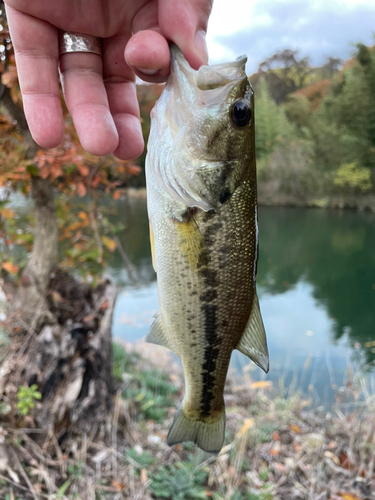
(201, 196)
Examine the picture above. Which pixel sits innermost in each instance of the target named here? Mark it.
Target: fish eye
(241, 114)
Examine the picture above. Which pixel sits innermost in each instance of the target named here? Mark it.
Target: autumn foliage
(315, 93)
(80, 181)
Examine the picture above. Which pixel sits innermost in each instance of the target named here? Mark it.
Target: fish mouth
(220, 75)
(206, 77)
(209, 86)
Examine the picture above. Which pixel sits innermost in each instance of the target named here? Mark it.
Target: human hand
(100, 92)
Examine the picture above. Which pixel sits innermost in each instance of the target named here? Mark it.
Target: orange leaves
(295, 428)
(109, 243)
(50, 163)
(13, 175)
(52, 171)
(348, 496)
(133, 169)
(8, 266)
(117, 485)
(261, 384)
(6, 213)
(247, 425)
(10, 78)
(276, 447)
(315, 92)
(83, 170)
(77, 172)
(73, 230)
(72, 170)
(59, 155)
(81, 189)
(127, 168)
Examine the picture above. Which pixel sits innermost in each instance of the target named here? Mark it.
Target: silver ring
(70, 41)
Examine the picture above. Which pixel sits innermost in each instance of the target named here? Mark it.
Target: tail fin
(208, 435)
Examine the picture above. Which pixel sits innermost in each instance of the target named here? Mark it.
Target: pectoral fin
(253, 342)
(191, 242)
(156, 333)
(152, 242)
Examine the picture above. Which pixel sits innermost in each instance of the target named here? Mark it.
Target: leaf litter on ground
(276, 448)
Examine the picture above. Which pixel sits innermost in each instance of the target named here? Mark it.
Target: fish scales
(204, 238)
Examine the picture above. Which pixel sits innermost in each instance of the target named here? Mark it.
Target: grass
(276, 448)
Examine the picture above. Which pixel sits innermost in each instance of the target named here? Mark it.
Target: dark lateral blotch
(208, 295)
(225, 195)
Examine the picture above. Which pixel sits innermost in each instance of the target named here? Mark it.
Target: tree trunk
(69, 359)
(43, 258)
(59, 328)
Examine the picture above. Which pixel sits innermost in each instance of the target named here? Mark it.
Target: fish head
(205, 118)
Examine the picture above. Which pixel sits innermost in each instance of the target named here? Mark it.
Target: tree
(284, 73)
(330, 67)
(59, 326)
(271, 124)
(348, 111)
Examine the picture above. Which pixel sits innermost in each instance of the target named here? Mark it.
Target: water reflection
(135, 241)
(334, 252)
(316, 285)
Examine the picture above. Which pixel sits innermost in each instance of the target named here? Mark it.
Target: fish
(202, 209)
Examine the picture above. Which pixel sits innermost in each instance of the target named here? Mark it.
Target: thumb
(185, 24)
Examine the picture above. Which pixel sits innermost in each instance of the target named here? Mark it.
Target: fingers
(36, 49)
(86, 99)
(185, 23)
(122, 98)
(147, 52)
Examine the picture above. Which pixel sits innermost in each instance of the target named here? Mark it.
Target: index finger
(185, 24)
(36, 49)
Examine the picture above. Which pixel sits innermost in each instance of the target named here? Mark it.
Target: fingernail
(201, 46)
(148, 71)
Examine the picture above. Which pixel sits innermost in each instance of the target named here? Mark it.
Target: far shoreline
(365, 203)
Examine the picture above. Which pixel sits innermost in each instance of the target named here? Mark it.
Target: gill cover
(190, 122)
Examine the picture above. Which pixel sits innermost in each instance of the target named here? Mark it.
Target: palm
(99, 92)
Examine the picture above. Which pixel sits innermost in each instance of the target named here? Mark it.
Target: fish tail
(207, 433)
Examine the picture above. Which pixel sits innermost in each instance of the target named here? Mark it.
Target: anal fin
(253, 342)
(156, 333)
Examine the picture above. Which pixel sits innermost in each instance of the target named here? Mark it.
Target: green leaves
(182, 481)
(271, 124)
(353, 176)
(27, 397)
(151, 394)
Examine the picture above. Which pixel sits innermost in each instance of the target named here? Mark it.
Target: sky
(317, 28)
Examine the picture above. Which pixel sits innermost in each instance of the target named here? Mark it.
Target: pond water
(316, 286)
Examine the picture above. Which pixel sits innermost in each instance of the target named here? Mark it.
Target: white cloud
(317, 28)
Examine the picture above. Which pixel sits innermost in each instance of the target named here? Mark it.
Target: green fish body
(201, 195)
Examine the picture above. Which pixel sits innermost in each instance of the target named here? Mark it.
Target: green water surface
(316, 284)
